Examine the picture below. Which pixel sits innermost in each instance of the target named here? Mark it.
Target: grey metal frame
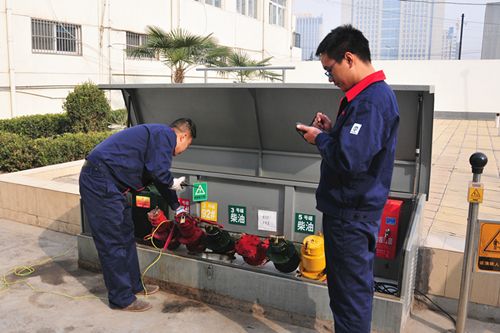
(248, 151)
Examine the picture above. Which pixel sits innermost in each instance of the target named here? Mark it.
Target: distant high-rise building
(449, 44)
(309, 28)
(491, 32)
(397, 29)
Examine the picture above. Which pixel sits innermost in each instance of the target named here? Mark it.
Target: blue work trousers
(110, 219)
(350, 251)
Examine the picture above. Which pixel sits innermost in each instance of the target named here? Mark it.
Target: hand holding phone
(301, 132)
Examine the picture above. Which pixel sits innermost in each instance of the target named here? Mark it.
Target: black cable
(437, 306)
(386, 288)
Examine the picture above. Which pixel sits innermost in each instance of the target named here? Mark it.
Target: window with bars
(133, 41)
(55, 37)
(216, 3)
(277, 12)
(247, 7)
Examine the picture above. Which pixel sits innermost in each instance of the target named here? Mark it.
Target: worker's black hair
(183, 125)
(342, 39)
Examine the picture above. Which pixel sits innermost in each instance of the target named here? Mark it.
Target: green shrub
(88, 109)
(16, 152)
(118, 117)
(67, 147)
(19, 152)
(36, 126)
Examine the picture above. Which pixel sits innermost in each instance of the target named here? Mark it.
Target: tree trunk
(179, 75)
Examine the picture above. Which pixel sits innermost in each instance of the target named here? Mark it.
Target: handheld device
(301, 133)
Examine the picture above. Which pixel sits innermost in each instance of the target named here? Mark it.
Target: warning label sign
(489, 247)
(475, 194)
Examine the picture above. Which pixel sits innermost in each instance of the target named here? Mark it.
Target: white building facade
(396, 29)
(491, 32)
(49, 46)
(310, 29)
(450, 44)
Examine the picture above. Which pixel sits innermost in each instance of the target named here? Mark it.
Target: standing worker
(356, 170)
(128, 161)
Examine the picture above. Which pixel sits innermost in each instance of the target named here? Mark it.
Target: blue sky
(473, 27)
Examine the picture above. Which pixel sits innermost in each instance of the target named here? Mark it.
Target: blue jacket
(138, 156)
(358, 153)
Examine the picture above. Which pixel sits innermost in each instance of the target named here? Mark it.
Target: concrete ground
(60, 297)
(453, 142)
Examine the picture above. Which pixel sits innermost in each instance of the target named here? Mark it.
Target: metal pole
(477, 161)
(461, 34)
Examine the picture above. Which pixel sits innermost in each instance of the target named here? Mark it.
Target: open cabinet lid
(260, 119)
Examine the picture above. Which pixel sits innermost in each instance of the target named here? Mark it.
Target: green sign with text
(200, 191)
(237, 215)
(304, 223)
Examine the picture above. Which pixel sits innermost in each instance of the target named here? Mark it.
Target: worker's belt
(102, 170)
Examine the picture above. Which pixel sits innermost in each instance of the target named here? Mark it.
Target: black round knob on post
(478, 161)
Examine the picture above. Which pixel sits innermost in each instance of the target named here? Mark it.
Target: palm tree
(240, 59)
(180, 50)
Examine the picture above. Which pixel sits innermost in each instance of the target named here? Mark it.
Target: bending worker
(356, 169)
(128, 161)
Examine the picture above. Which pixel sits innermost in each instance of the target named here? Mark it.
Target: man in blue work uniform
(128, 161)
(356, 170)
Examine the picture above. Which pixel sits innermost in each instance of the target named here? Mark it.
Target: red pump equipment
(388, 232)
(161, 229)
(252, 249)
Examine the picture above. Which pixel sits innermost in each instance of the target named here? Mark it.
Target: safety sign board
(237, 215)
(489, 246)
(200, 191)
(266, 220)
(186, 204)
(209, 211)
(142, 201)
(304, 223)
(475, 194)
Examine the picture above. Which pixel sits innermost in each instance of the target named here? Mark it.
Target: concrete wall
(466, 86)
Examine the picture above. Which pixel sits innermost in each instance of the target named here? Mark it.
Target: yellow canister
(313, 261)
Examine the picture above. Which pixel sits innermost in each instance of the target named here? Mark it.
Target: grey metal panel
(224, 117)
(250, 195)
(403, 178)
(426, 143)
(233, 162)
(280, 109)
(408, 102)
(305, 202)
(410, 246)
(301, 168)
(120, 86)
(263, 116)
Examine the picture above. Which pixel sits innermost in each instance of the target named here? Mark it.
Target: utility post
(477, 161)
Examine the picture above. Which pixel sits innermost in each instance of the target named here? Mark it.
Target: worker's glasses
(328, 72)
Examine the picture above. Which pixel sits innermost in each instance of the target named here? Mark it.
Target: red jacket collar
(361, 85)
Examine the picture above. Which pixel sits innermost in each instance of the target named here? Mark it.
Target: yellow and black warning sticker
(489, 246)
(476, 191)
